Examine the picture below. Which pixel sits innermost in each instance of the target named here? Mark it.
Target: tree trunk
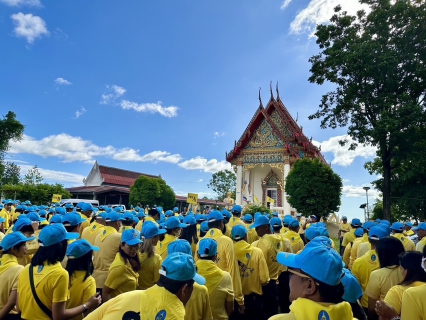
(386, 187)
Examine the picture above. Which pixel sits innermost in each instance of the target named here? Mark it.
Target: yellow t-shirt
(406, 242)
(139, 226)
(295, 240)
(51, 285)
(6, 215)
(413, 304)
(409, 233)
(362, 269)
(252, 236)
(90, 233)
(9, 273)
(347, 254)
(355, 245)
(163, 245)
(234, 221)
(227, 260)
(198, 306)
(149, 275)
(305, 309)
(420, 245)
(382, 280)
(363, 249)
(80, 291)
(346, 227)
(348, 237)
(84, 224)
(108, 241)
(254, 271)
(124, 228)
(1, 236)
(121, 277)
(394, 296)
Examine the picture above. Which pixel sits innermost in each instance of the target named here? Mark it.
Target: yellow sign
(56, 198)
(192, 198)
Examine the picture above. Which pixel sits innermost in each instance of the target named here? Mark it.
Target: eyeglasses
(302, 275)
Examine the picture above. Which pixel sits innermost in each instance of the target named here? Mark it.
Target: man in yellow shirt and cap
(421, 233)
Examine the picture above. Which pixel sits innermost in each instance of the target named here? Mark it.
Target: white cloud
(343, 156)
(318, 12)
(53, 176)
(168, 112)
(29, 26)
(285, 4)
(62, 82)
(17, 3)
(200, 163)
(218, 134)
(351, 191)
(80, 112)
(201, 180)
(210, 195)
(132, 155)
(113, 93)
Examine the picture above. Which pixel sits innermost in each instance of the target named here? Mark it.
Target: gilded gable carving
(278, 121)
(264, 138)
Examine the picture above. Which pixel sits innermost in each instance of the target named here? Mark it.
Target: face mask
(423, 264)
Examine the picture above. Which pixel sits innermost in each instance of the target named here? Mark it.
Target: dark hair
(153, 212)
(27, 229)
(161, 237)
(411, 261)
(330, 294)
(170, 231)
(173, 286)
(358, 311)
(190, 234)
(424, 251)
(293, 228)
(202, 234)
(127, 222)
(277, 228)
(51, 254)
(388, 249)
(16, 247)
(70, 228)
(84, 263)
(133, 261)
(215, 224)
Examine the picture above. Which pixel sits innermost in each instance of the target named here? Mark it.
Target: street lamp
(363, 207)
(368, 210)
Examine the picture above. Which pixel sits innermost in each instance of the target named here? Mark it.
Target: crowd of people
(103, 263)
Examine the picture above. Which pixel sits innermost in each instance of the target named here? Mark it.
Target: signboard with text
(192, 198)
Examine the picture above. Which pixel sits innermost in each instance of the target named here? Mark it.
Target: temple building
(264, 155)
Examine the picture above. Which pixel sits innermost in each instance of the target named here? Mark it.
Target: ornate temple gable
(264, 137)
(272, 181)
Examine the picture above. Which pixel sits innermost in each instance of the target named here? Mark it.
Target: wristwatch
(85, 308)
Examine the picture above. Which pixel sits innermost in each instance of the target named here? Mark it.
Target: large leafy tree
(377, 62)
(152, 191)
(313, 188)
(37, 194)
(11, 174)
(10, 130)
(223, 182)
(33, 176)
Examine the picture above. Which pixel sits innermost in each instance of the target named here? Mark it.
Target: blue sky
(161, 87)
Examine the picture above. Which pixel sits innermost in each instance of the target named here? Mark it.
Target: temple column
(239, 184)
(287, 209)
(245, 186)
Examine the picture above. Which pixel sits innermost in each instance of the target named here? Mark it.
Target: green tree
(313, 188)
(253, 208)
(222, 182)
(152, 191)
(10, 130)
(33, 176)
(377, 61)
(11, 174)
(37, 194)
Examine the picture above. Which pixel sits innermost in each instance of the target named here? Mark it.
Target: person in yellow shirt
(397, 232)
(311, 233)
(2, 220)
(82, 286)
(251, 234)
(173, 231)
(358, 241)
(43, 284)
(198, 306)
(218, 282)
(141, 216)
(353, 293)
(227, 259)
(108, 242)
(6, 213)
(235, 220)
(14, 247)
(190, 232)
(127, 222)
(204, 227)
(124, 271)
(343, 228)
(359, 233)
(72, 222)
(414, 276)
(165, 300)
(294, 237)
(254, 274)
(29, 229)
(369, 262)
(421, 233)
(97, 226)
(86, 214)
(388, 250)
(315, 292)
(149, 258)
(408, 232)
(350, 236)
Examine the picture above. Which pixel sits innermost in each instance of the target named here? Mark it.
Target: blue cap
(2, 220)
(226, 214)
(294, 223)
(275, 214)
(356, 222)
(60, 210)
(359, 232)
(175, 209)
(204, 226)
(200, 217)
(151, 230)
(14, 238)
(79, 248)
(114, 216)
(181, 267)
(308, 260)
(127, 216)
(69, 206)
(275, 222)
(57, 218)
(397, 226)
(179, 245)
(131, 237)
(353, 291)
(238, 232)
(260, 221)
(85, 207)
(377, 233)
(312, 232)
(248, 218)
(8, 202)
(33, 216)
(174, 222)
(323, 232)
(214, 215)
(421, 226)
(189, 220)
(257, 214)
(53, 234)
(20, 223)
(368, 225)
(287, 219)
(169, 213)
(141, 214)
(237, 209)
(207, 247)
(72, 219)
(42, 213)
(160, 209)
(323, 240)
(409, 224)
(385, 222)
(344, 218)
